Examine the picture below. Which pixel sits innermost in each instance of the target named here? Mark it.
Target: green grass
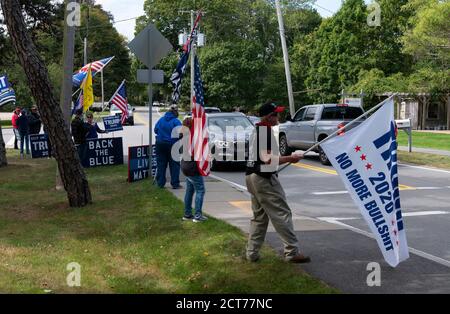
(425, 140)
(432, 160)
(130, 240)
(6, 123)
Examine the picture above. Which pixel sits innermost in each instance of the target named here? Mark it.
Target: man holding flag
(268, 197)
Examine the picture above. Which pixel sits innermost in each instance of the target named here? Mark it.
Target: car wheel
(285, 150)
(323, 157)
(131, 121)
(214, 165)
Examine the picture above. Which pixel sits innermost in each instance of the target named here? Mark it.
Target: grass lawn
(425, 140)
(130, 240)
(5, 123)
(432, 160)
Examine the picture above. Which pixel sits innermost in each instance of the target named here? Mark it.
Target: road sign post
(149, 46)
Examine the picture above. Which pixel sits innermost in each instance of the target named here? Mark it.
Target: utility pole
(286, 59)
(66, 90)
(192, 61)
(192, 53)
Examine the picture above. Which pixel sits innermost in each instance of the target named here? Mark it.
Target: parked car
(312, 124)
(114, 110)
(254, 119)
(229, 135)
(212, 110)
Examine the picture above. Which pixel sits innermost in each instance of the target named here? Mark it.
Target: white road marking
(426, 168)
(409, 214)
(330, 193)
(430, 188)
(369, 235)
(238, 186)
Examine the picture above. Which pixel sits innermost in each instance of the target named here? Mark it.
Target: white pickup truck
(311, 124)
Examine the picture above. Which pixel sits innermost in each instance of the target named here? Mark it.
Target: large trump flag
(366, 159)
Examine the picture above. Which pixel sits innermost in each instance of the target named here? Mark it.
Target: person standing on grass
(194, 180)
(164, 142)
(14, 118)
(267, 195)
(24, 132)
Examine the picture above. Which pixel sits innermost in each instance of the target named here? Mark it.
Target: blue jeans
(164, 157)
(24, 139)
(197, 185)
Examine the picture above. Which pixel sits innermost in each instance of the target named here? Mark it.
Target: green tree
(232, 73)
(338, 51)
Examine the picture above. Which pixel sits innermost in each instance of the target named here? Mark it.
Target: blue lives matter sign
(112, 123)
(39, 146)
(101, 152)
(3, 82)
(138, 168)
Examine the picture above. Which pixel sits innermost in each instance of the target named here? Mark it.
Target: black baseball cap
(269, 108)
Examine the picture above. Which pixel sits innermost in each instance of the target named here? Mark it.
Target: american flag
(96, 66)
(181, 66)
(120, 100)
(199, 135)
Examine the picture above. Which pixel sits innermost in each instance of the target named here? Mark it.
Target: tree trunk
(72, 174)
(3, 161)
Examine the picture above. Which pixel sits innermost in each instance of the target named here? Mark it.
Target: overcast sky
(122, 10)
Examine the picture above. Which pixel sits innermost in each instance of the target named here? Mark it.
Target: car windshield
(341, 113)
(115, 108)
(231, 122)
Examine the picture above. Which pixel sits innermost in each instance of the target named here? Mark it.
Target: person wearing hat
(267, 195)
(34, 120)
(164, 129)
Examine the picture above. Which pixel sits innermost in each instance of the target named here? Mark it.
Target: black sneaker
(185, 218)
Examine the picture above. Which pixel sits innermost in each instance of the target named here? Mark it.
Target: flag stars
(368, 166)
(363, 157)
(357, 148)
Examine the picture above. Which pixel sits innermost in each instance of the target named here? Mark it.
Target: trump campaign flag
(365, 158)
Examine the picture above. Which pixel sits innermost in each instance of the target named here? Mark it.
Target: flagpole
(342, 129)
(103, 91)
(116, 91)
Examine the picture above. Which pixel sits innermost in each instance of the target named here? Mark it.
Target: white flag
(366, 159)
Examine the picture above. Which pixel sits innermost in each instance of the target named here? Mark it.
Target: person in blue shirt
(94, 129)
(164, 142)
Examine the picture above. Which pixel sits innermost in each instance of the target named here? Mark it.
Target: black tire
(285, 150)
(323, 157)
(131, 121)
(214, 165)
